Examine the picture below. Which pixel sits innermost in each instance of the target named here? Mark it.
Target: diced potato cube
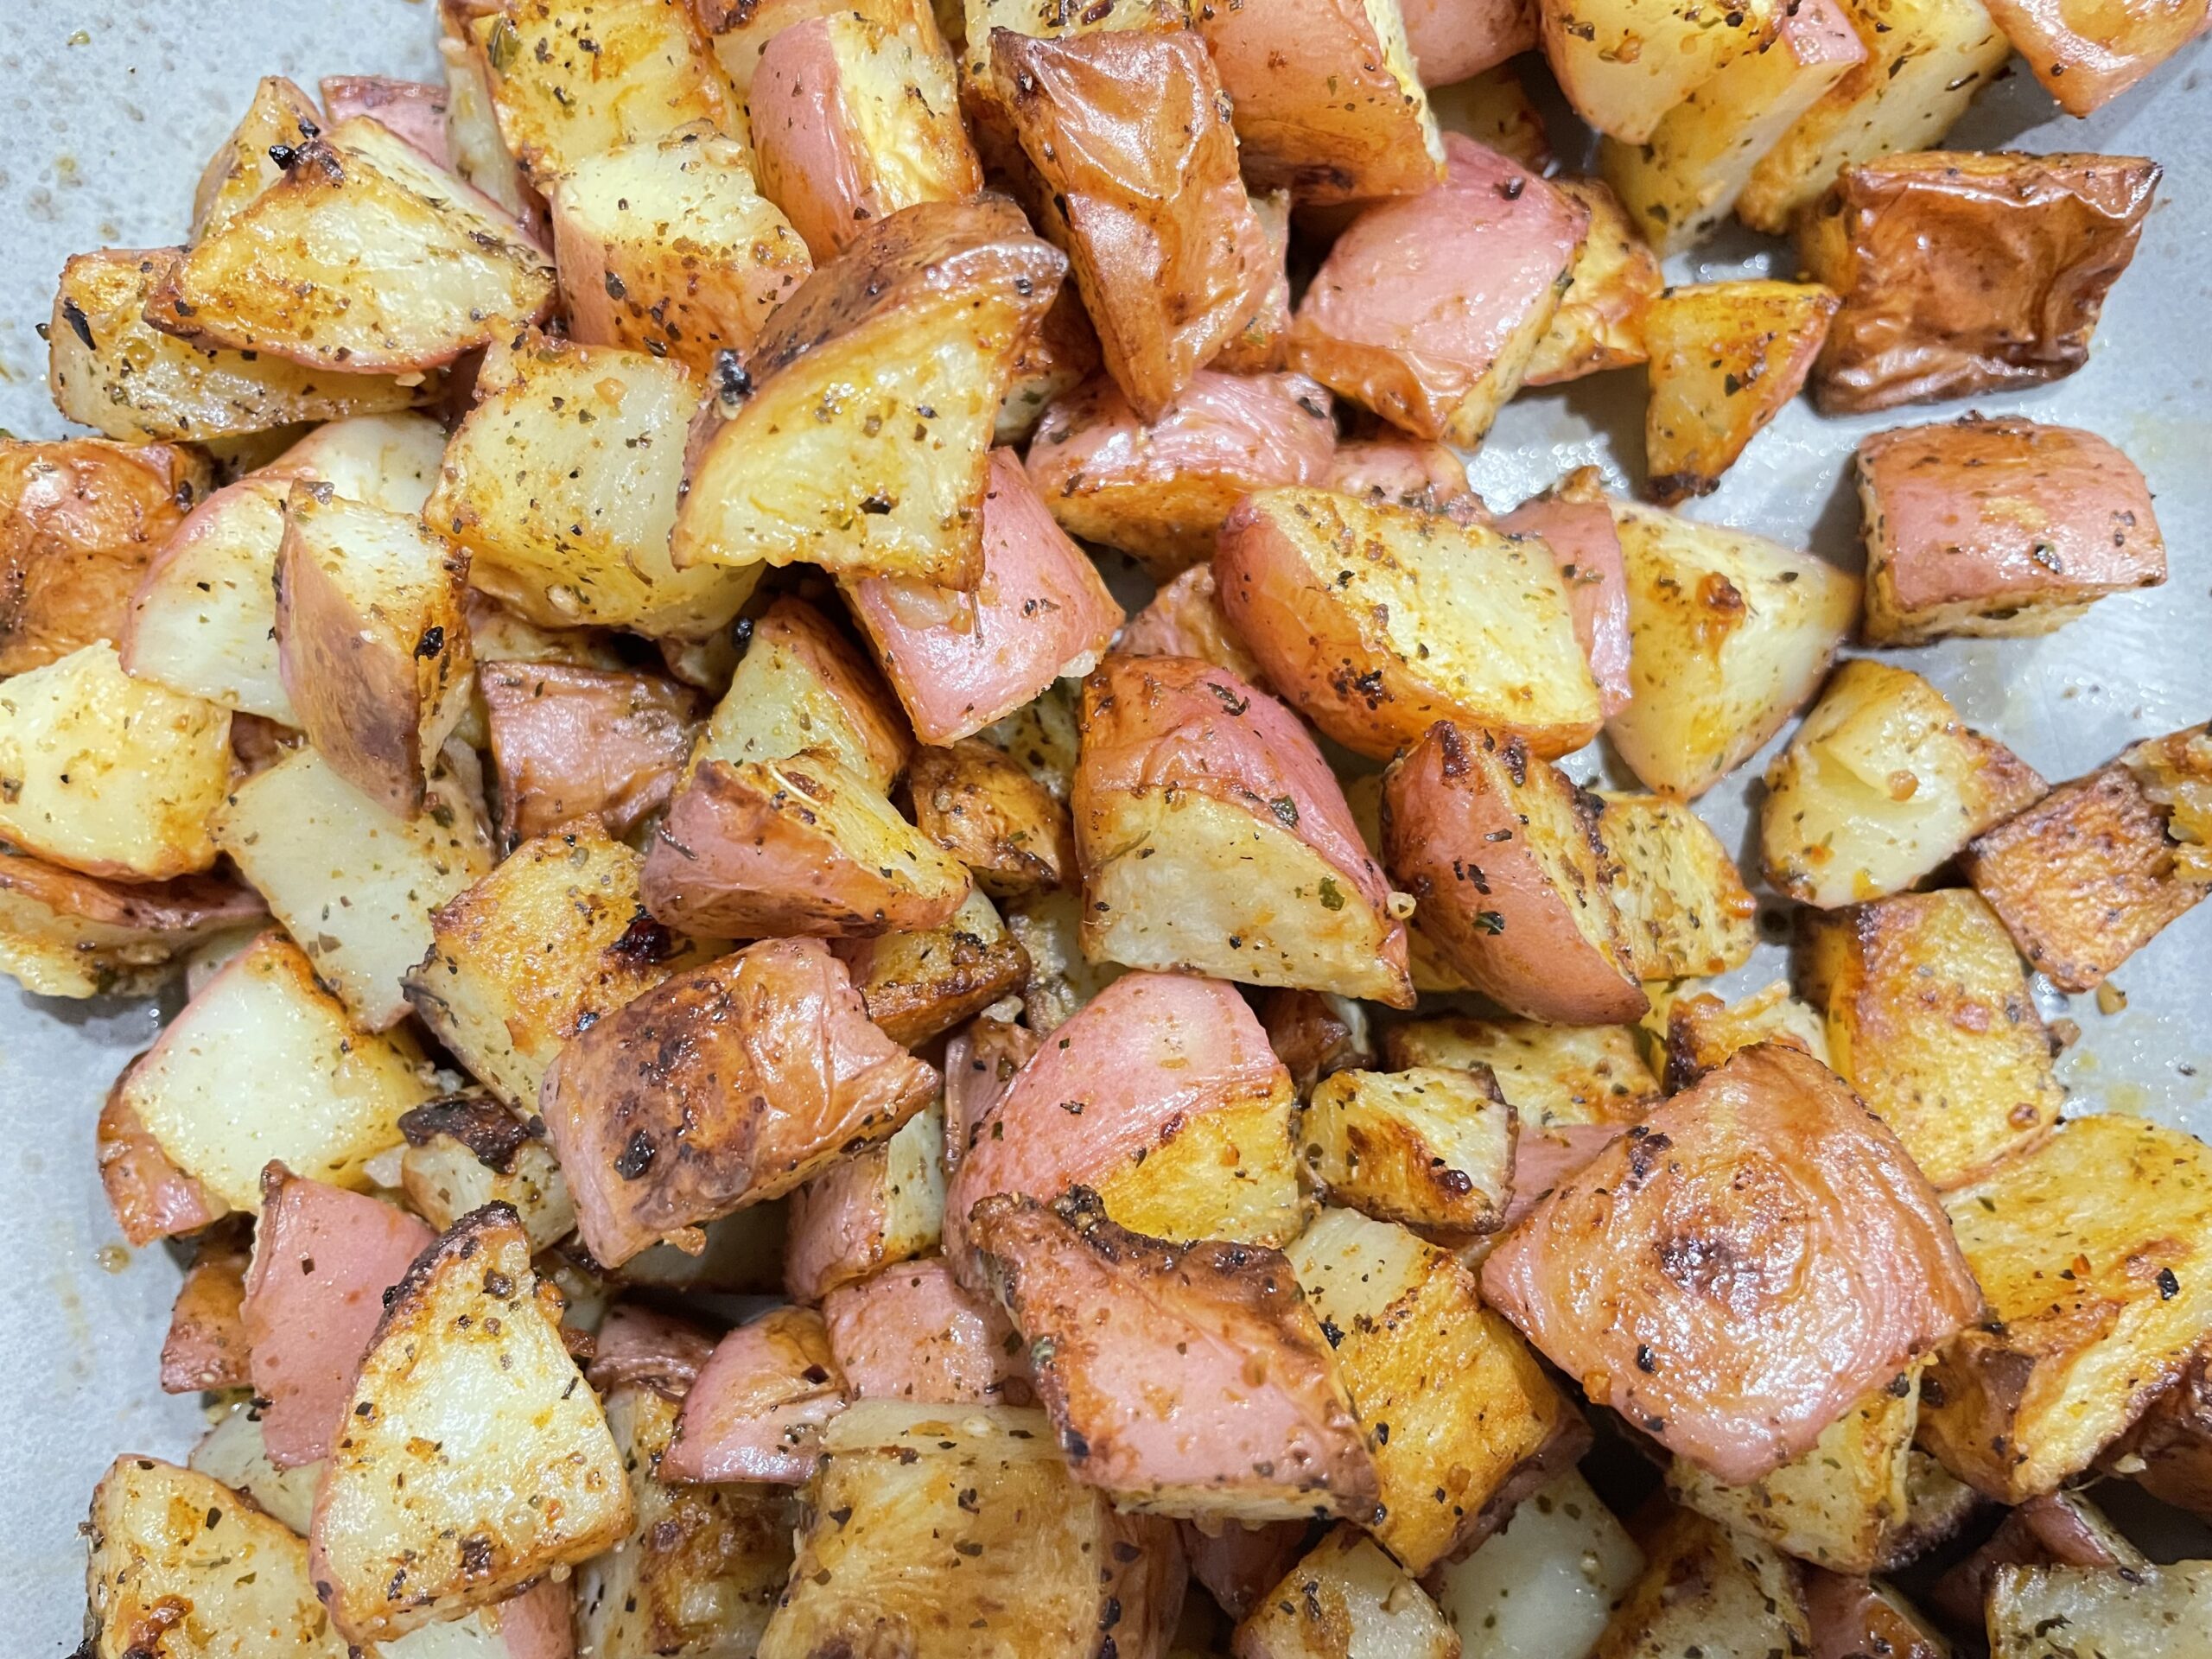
(1725, 358)
(2092, 1252)
(1622, 67)
(977, 804)
(469, 1151)
(2169, 1451)
(206, 1345)
(234, 1454)
(1707, 1587)
(1430, 1147)
(64, 934)
(280, 116)
(756, 1409)
(203, 622)
(921, 984)
(742, 29)
(1684, 909)
(882, 1206)
(1049, 929)
(802, 685)
(1701, 1030)
(1543, 1586)
(1610, 288)
(1345, 1600)
(2080, 1612)
(572, 743)
(1491, 107)
(1551, 1074)
(2086, 58)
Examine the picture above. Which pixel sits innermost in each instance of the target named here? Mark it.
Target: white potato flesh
(1544, 1587)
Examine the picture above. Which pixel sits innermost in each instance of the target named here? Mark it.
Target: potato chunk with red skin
(1428, 308)
(1129, 132)
(2169, 1451)
(1998, 527)
(1185, 619)
(755, 1411)
(150, 1196)
(322, 1258)
(977, 804)
(582, 742)
(912, 1332)
(852, 120)
(1387, 471)
(206, 1347)
(1725, 360)
(1611, 288)
(1214, 838)
(1161, 1081)
(1160, 489)
(413, 109)
(63, 933)
(722, 1087)
(1737, 1270)
(1503, 856)
(2085, 56)
(1186, 1380)
(1577, 525)
(1453, 40)
(1963, 273)
(961, 661)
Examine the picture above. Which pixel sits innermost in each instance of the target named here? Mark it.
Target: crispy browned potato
(1503, 856)
(2059, 1529)
(582, 742)
(1859, 1615)
(467, 1151)
(66, 934)
(79, 521)
(880, 1208)
(1128, 132)
(2050, 1612)
(1998, 527)
(1684, 909)
(1315, 1035)
(2065, 1363)
(1622, 67)
(1678, 1231)
(1214, 838)
(371, 640)
(279, 116)
(1725, 360)
(740, 30)
(1493, 107)
(1326, 101)
(1462, 1423)
(2086, 58)
(1552, 1074)
(206, 1347)
(363, 257)
(1345, 1599)
(1430, 1147)
(1881, 785)
(1429, 308)
(2169, 1451)
(919, 985)
(1702, 1031)
(1707, 1587)
(1185, 1380)
(1961, 272)
(852, 120)
(765, 1066)
(803, 684)
(913, 334)
(1610, 286)
(666, 246)
(978, 805)
(1159, 490)
(2090, 874)
(1378, 622)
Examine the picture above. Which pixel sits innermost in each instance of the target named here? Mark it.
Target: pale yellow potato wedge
(1725, 360)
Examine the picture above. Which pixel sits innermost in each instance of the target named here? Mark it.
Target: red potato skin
(1185, 619)
(2080, 65)
(1310, 1038)
(151, 1197)
(726, 1085)
(2045, 1531)
(1420, 295)
(413, 109)
(539, 1624)
(1406, 472)
(580, 742)
(980, 1064)
(637, 1346)
(1241, 1564)
(1502, 923)
(1143, 1057)
(206, 1347)
(1733, 1272)
(1850, 1621)
(755, 1412)
(1453, 40)
(1588, 551)
(835, 1231)
(1543, 1158)
(960, 661)
(322, 1260)
(2004, 512)
(912, 1333)
(2174, 1440)
(1197, 1368)
(185, 909)
(1174, 722)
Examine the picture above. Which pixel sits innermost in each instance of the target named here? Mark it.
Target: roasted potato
(149, 1195)
(563, 483)
(2074, 1612)
(353, 884)
(1049, 928)
(2085, 61)
(552, 941)
(1326, 99)
(2089, 874)
(1998, 527)
(2088, 1249)
(1408, 473)
(1623, 67)
(881, 1207)
(1430, 1147)
(1185, 619)
(702, 1566)
(1573, 521)
(1429, 309)
(912, 333)
(802, 685)
(112, 370)
(206, 1345)
(667, 246)
(756, 1410)
(233, 1452)
(1492, 107)
(381, 460)
(109, 775)
(1612, 285)
(962, 661)
(1213, 837)
(1925, 61)
(1881, 785)
(974, 801)
(1707, 1587)
(2169, 1451)
(1159, 490)
(467, 1151)
(1345, 1599)
(1053, 362)
(1261, 342)
(413, 109)
(1534, 925)
(65, 934)
(1961, 272)
(1462, 1422)
(1859, 1615)
(1378, 622)
(1680, 183)
(765, 1066)
(478, 154)
(1185, 1128)
(1550, 1073)
(80, 522)
(1702, 1031)
(1544, 1585)
(1729, 634)
(471, 1460)
(912, 1333)
(962, 1531)
(852, 120)
(181, 1564)
(1684, 910)
(279, 116)
(362, 257)
(571, 78)
(919, 985)
(1725, 360)
(572, 743)
(740, 30)
(1768, 1159)
(2059, 1529)
(1450, 41)
(1128, 132)
(1315, 1035)
(1185, 1380)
